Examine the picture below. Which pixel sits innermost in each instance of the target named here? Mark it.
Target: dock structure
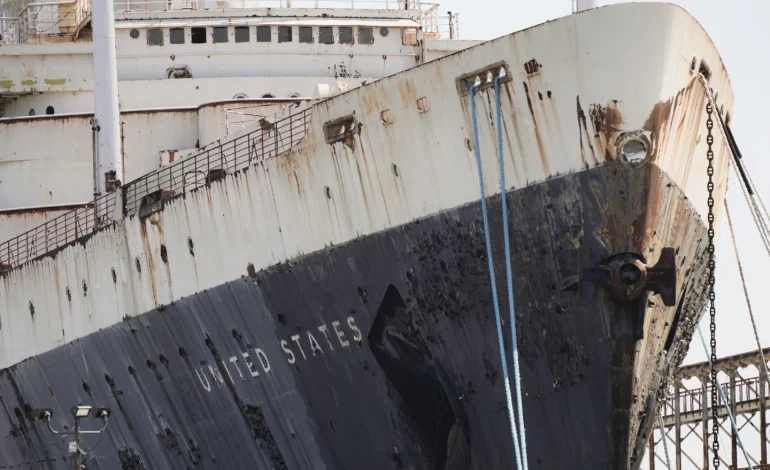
(686, 415)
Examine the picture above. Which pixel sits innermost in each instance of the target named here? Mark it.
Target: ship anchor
(627, 277)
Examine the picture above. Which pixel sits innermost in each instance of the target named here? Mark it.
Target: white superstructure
(189, 73)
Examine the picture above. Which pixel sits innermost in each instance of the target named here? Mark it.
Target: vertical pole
(733, 433)
(78, 464)
(762, 422)
(677, 427)
(106, 111)
(705, 420)
(651, 448)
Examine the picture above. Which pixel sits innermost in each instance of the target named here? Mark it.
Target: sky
(739, 31)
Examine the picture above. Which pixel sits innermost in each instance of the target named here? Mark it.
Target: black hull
(422, 387)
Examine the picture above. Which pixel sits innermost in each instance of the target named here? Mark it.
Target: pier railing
(151, 191)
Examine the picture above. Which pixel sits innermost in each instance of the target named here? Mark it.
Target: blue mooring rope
(501, 345)
(509, 274)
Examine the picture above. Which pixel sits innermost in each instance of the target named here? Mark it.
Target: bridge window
(198, 35)
(284, 34)
(242, 34)
(263, 34)
(220, 34)
(409, 36)
(346, 35)
(306, 34)
(176, 35)
(365, 36)
(325, 35)
(155, 37)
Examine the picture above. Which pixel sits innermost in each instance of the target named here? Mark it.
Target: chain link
(711, 279)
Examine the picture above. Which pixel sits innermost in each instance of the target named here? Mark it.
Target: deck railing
(40, 19)
(432, 23)
(152, 190)
(65, 17)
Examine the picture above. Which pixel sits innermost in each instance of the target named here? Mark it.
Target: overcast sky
(739, 28)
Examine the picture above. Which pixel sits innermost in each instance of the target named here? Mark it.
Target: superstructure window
(365, 36)
(409, 36)
(284, 34)
(306, 34)
(220, 34)
(242, 34)
(346, 35)
(198, 35)
(263, 34)
(176, 35)
(155, 37)
(325, 35)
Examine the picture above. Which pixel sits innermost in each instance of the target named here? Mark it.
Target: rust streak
(541, 148)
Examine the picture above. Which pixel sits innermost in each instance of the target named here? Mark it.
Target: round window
(268, 95)
(49, 110)
(134, 33)
(31, 112)
(384, 32)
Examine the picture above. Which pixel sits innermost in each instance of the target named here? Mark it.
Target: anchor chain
(711, 279)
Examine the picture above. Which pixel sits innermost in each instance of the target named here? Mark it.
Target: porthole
(32, 112)
(49, 110)
(384, 32)
(134, 33)
(268, 95)
(240, 96)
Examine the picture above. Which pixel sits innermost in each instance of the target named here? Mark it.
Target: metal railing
(39, 19)
(212, 163)
(690, 401)
(432, 23)
(57, 233)
(268, 140)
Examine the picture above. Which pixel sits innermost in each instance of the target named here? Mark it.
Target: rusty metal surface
(572, 190)
(349, 401)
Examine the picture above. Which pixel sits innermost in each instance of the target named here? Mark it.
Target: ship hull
(379, 353)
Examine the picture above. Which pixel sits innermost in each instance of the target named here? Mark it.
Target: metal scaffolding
(686, 414)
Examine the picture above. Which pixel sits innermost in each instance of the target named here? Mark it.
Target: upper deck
(69, 20)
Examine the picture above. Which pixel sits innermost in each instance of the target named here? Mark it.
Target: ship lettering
(253, 369)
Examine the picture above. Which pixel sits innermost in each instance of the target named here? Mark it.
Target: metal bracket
(627, 277)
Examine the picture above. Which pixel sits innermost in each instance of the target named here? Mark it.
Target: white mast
(583, 5)
(107, 153)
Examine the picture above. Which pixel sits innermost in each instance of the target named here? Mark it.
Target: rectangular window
(155, 37)
(306, 34)
(346, 35)
(220, 34)
(284, 34)
(198, 35)
(242, 34)
(325, 35)
(176, 35)
(365, 36)
(264, 34)
(409, 36)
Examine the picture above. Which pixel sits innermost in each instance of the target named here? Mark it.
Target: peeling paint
(7, 84)
(29, 82)
(55, 81)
